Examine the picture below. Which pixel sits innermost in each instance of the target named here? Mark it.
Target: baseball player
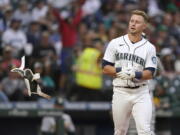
(151, 83)
(131, 60)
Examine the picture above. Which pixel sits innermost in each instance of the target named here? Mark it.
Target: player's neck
(134, 37)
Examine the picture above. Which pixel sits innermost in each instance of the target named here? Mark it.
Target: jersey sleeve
(110, 52)
(151, 60)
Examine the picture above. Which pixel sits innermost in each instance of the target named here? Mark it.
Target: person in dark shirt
(45, 50)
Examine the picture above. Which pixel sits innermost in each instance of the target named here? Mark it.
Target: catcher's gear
(126, 74)
(30, 80)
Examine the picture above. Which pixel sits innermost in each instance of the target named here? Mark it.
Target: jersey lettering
(130, 57)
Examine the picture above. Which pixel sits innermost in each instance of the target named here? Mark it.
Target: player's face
(136, 24)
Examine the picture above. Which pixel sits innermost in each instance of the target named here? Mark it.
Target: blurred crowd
(64, 41)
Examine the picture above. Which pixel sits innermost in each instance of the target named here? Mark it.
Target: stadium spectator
(4, 4)
(68, 21)
(45, 53)
(7, 16)
(33, 33)
(39, 11)
(14, 37)
(14, 87)
(88, 74)
(8, 61)
(23, 14)
(168, 59)
(46, 80)
(45, 50)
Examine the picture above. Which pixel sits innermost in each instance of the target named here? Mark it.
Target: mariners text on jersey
(130, 57)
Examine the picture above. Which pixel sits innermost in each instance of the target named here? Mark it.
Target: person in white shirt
(22, 13)
(4, 4)
(14, 37)
(40, 11)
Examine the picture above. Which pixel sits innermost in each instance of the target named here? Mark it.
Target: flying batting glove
(19, 71)
(126, 74)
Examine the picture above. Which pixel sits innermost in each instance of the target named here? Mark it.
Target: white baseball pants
(135, 102)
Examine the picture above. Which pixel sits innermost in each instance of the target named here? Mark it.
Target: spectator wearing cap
(15, 37)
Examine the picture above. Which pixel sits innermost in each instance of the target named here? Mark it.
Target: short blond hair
(141, 13)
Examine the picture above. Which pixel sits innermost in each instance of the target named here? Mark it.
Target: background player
(131, 60)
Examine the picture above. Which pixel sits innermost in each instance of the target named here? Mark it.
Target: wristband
(118, 69)
(138, 75)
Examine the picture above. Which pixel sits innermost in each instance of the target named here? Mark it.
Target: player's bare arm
(109, 70)
(147, 75)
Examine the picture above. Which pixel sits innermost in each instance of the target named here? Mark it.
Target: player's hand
(126, 74)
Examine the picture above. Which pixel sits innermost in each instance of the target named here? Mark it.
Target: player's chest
(126, 52)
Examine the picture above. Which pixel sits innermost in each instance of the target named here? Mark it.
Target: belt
(128, 87)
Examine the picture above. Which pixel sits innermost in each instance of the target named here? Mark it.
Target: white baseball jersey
(123, 53)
